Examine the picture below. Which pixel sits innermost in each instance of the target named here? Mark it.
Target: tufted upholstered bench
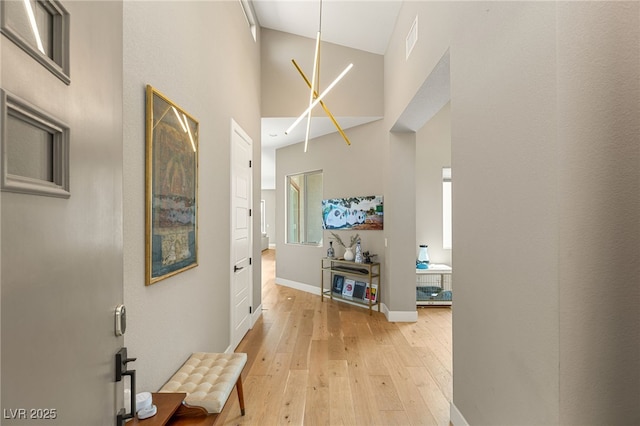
(208, 379)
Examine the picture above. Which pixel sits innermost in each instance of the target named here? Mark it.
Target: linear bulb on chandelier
(319, 98)
(312, 93)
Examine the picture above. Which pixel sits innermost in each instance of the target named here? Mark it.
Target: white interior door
(61, 253)
(241, 231)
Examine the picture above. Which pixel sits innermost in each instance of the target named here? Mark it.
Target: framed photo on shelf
(171, 189)
(338, 282)
(359, 290)
(348, 288)
(371, 293)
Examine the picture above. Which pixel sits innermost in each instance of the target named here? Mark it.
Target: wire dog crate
(434, 286)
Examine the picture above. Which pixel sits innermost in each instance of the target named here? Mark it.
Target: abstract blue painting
(359, 213)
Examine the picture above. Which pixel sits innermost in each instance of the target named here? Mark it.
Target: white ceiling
(273, 129)
(360, 24)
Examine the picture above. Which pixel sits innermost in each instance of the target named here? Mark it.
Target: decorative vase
(423, 257)
(359, 258)
(331, 252)
(348, 254)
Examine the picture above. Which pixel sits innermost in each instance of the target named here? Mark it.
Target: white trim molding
(399, 316)
(457, 419)
(298, 286)
(14, 108)
(392, 316)
(315, 290)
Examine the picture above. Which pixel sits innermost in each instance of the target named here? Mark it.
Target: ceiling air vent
(412, 37)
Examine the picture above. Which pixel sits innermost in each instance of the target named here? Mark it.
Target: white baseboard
(314, 290)
(272, 245)
(392, 316)
(399, 316)
(456, 417)
(298, 286)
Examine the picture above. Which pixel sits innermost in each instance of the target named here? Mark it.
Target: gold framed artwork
(171, 188)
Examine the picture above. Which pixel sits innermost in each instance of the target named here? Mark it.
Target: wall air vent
(412, 37)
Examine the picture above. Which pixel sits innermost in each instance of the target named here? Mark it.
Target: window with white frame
(263, 217)
(304, 208)
(446, 208)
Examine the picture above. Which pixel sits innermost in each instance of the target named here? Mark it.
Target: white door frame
(234, 339)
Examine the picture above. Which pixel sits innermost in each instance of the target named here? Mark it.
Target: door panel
(241, 281)
(62, 266)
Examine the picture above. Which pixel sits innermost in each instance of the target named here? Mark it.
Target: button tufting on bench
(208, 379)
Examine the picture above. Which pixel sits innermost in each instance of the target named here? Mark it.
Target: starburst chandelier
(314, 98)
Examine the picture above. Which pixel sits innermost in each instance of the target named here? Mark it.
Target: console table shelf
(363, 277)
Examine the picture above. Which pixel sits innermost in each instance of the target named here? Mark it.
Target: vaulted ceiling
(359, 24)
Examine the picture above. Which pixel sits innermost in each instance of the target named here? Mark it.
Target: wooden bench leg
(240, 394)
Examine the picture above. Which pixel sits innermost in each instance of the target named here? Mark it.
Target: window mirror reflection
(447, 234)
(304, 212)
(41, 29)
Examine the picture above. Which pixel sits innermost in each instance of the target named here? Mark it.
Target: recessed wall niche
(40, 28)
(35, 149)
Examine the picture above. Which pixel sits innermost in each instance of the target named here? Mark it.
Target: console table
(342, 272)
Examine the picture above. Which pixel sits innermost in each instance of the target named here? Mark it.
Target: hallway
(330, 363)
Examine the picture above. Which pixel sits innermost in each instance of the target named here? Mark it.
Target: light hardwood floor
(331, 363)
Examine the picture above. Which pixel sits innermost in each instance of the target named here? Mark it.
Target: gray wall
(400, 226)
(544, 119)
(598, 64)
(347, 171)
(269, 196)
(504, 152)
(285, 94)
(433, 152)
(202, 56)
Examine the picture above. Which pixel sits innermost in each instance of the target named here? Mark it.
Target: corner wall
(202, 56)
(599, 215)
(400, 227)
(505, 213)
(545, 120)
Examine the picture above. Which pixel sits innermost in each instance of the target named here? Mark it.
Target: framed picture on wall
(358, 213)
(171, 188)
